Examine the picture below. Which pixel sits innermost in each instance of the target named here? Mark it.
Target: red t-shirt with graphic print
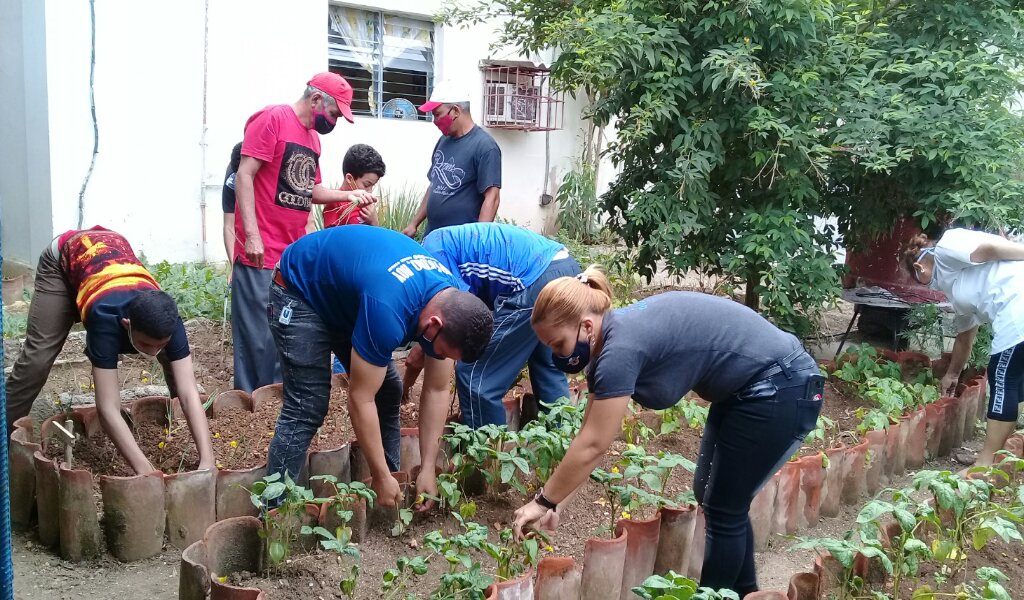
(283, 186)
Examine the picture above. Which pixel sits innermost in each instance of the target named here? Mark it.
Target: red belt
(279, 279)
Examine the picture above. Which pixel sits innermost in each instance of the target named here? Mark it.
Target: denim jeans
(305, 345)
(483, 384)
(746, 440)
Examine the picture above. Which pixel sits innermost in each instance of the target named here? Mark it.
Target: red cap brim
(430, 106)
(346, 111)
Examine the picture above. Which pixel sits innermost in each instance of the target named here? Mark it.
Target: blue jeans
(746, 440)
(483, 384)
(305, 345)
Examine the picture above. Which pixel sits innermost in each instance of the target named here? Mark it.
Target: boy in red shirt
(363, 167)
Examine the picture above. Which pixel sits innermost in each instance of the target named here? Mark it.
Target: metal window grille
(388, 59)
(517, 95)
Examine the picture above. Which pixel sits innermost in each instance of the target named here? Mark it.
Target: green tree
(742, 126)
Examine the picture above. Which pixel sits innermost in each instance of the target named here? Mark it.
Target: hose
(6, 565)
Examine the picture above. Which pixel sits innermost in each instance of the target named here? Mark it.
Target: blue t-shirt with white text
(492, 259)
(367, 282)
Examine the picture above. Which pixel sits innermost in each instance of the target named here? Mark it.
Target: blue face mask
(577, 361)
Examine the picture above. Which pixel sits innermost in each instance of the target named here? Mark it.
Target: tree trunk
(751, 299)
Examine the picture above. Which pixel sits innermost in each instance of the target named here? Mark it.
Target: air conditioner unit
(512, 103)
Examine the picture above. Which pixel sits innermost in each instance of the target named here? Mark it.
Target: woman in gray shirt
(765, 393)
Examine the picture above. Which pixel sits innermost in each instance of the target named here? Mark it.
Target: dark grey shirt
(660, 348)
(461, 170)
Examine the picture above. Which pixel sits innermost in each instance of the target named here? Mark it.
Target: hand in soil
(426, 484)
(389, 493)
(531, 515)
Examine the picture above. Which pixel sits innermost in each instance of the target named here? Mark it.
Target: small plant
(463, 578)
(925, 329)
(862, 362)
(281, 524)
(635, 430)
(396, 581)
(514, 557)
(199, 289)
(404, 518)
(845, 551)
(674, 586)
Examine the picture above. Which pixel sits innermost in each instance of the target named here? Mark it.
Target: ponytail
(567, 299)
(912, 249)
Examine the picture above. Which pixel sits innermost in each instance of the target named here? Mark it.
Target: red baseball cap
(336, 87)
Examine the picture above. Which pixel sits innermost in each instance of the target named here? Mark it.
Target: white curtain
(352, 38)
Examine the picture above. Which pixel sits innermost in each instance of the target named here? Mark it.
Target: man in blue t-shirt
(506, 267)
(465, 167)
(361, 292)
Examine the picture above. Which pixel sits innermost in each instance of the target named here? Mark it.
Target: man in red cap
(277, 182)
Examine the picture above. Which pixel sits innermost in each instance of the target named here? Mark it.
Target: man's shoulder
(483, 138)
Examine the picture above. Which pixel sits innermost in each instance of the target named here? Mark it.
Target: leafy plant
(463, 578)
(965, 515)
(339, 541)
(982, 348)
(638, 482)
(845, 551)
(281, 524)
(634, 429)
(198, 289)
(396, 581)
(577, 202)
(404, 518)
(15, 325)
(674, 586)
(515, 557)
(860, 363)
(545, 441)
(925, 329)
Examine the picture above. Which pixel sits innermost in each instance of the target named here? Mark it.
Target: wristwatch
(540, 499)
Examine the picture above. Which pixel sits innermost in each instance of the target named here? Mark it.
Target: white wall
(25, 212)
(158, 164)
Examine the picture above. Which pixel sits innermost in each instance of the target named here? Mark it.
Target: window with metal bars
(388, 60)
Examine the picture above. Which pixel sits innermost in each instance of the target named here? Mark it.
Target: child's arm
(188, 395)
(108, 406)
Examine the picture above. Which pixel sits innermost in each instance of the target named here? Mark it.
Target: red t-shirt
(284, 184)
(335, 214)
(97, 262)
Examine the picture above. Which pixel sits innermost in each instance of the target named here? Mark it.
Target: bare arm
(311, 222)
(961, 352)
(365, 380)
(188, 395)
(600, 428)
(437, 375)
(108, 405)
(418, 218)
(1000, 249)
(602, 422)
(324, 195)
(489, 209)
(245, 208)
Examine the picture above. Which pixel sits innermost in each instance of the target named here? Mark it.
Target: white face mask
(131, 340)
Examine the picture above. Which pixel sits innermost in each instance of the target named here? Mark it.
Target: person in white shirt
(982, 276)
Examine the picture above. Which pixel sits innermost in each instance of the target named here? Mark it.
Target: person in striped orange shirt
(93, 276)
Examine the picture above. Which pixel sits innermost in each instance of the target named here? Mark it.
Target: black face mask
(577, 361)
(428, 345)
(322, 124)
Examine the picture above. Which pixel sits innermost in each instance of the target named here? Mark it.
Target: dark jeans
(747, 439)
(305, 345)
(256, 363)
(483, 384)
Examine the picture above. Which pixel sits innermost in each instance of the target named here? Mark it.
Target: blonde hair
(912, 249)
(567, 299)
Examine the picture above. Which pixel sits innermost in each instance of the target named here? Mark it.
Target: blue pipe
(6, 564)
